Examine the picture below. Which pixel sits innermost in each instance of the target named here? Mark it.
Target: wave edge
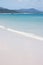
(22, 33)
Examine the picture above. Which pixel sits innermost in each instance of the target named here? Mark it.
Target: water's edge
(22, 33)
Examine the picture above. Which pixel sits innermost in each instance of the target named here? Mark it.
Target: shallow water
(29, 23)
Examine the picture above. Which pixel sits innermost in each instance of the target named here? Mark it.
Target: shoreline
(30, 35)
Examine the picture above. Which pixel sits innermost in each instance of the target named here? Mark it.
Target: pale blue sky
(18, 4)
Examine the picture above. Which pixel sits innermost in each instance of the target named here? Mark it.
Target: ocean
(27, 23)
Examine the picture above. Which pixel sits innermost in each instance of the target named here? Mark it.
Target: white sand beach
(16, 49)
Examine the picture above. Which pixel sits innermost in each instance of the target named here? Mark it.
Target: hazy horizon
(22, 4)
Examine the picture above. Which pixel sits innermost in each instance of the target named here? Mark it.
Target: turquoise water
(31, 23)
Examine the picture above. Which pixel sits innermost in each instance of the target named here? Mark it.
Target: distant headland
(31, 10)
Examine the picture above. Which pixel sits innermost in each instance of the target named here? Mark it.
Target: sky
(22, 4)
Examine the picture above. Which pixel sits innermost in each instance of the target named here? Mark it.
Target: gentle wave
(22, 33)
(2, 27)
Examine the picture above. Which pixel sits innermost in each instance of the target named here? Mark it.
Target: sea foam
(2, 27)
(22, 33)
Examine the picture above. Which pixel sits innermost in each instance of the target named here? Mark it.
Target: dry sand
(16, 49)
